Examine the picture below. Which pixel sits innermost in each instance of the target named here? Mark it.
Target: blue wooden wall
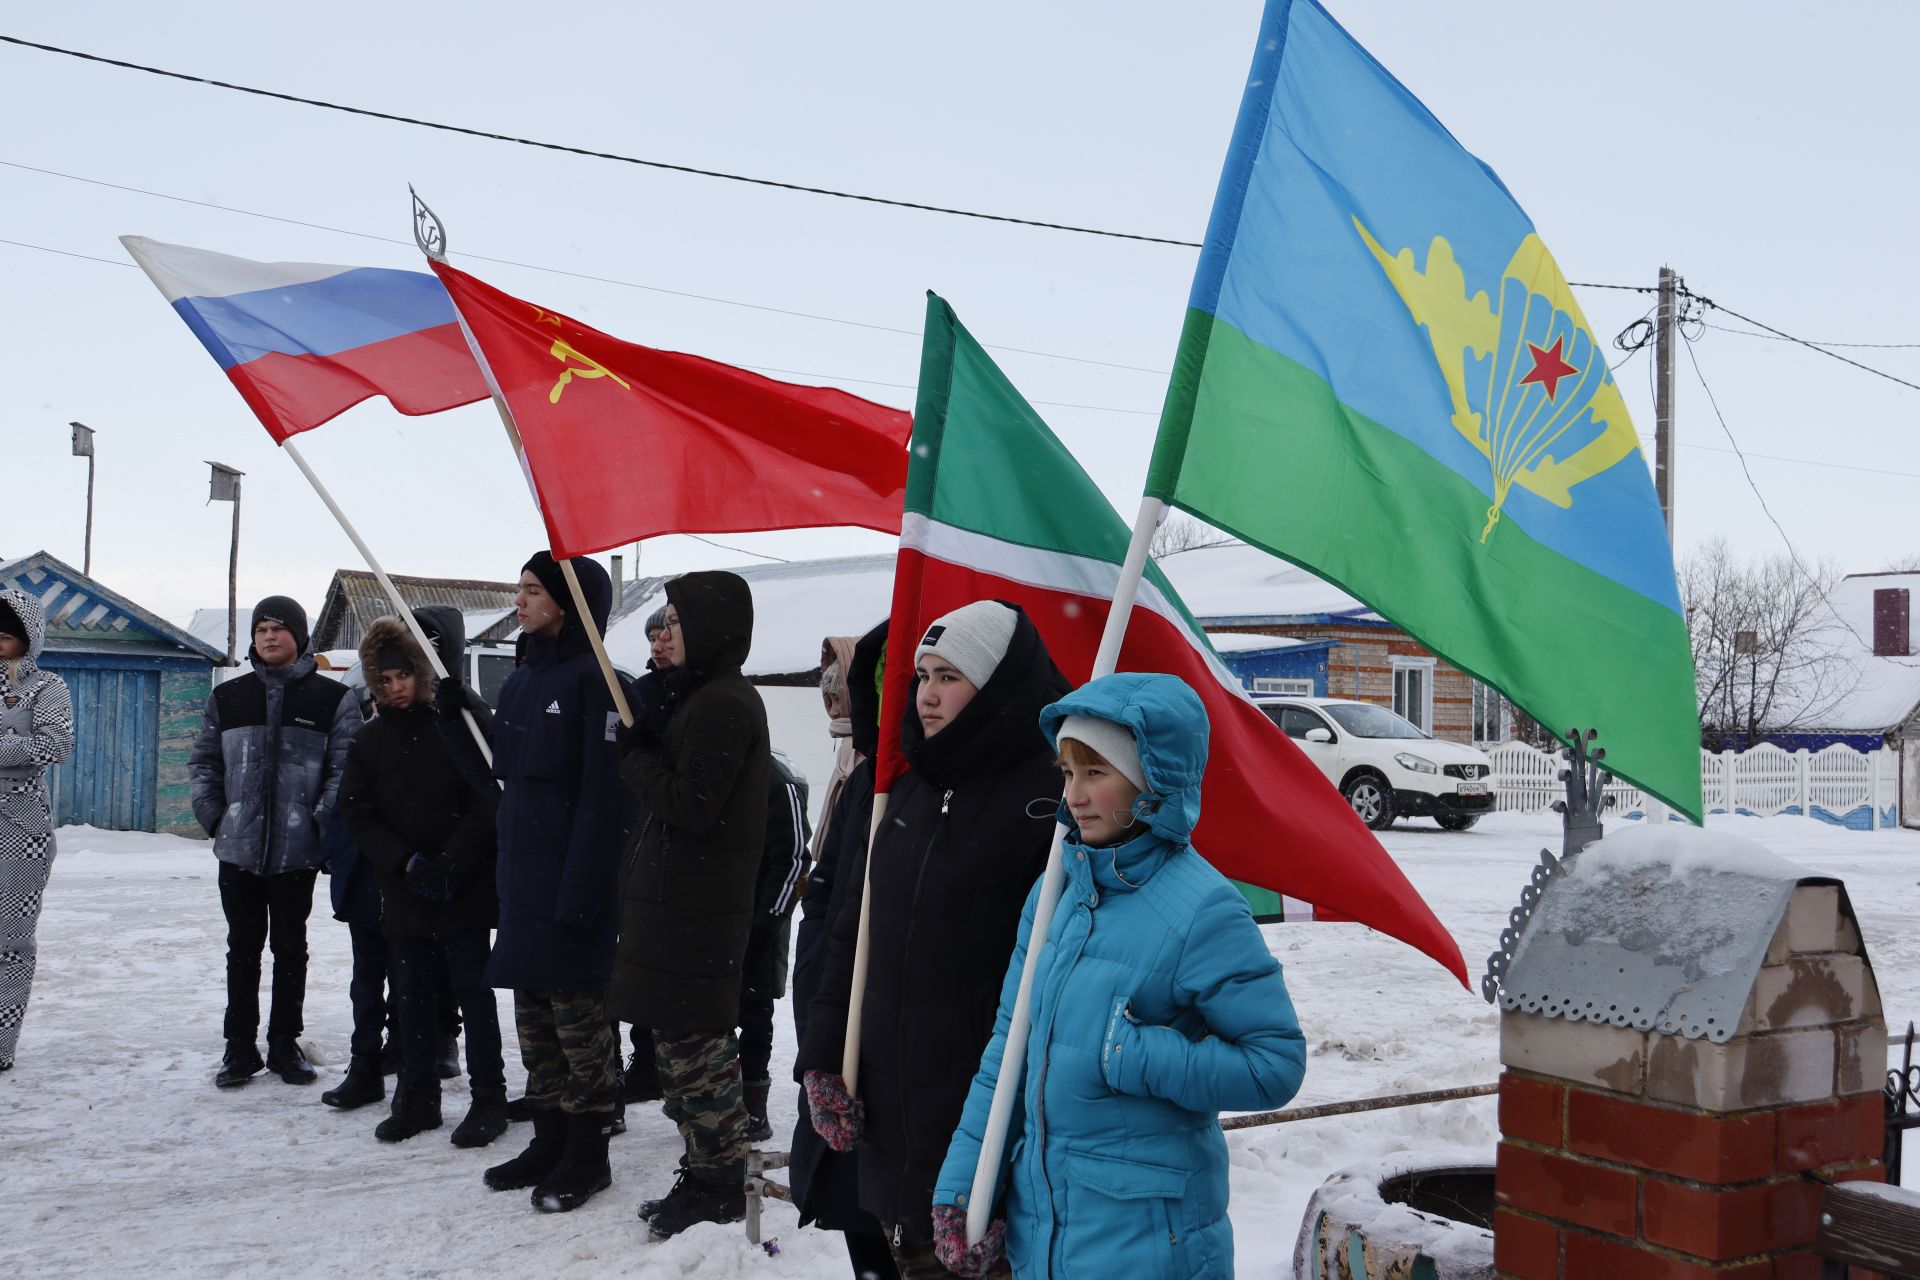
(134, 720)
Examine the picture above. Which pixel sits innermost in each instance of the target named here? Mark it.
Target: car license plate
(1473, 788)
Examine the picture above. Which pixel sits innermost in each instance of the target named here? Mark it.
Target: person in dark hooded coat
(430, 840)
(698, 758)
(824, 1181)
(965, 833)
(562, 822)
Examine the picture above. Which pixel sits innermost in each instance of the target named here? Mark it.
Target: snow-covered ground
(119, 1157)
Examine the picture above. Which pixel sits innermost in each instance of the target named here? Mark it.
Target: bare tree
(1908, 563)
(1181, 532)
(1769, 652)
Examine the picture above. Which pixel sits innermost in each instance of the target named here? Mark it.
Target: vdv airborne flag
(1384, 378)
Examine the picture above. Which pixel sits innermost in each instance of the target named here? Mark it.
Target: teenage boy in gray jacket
(266, 769)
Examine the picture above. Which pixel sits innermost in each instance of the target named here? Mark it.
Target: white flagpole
(1013, 1056)
(386, 584)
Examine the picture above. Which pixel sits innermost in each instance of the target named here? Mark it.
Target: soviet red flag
(622, 442)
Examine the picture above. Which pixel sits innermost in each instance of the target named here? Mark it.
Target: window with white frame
(1290, 686)
(1492, 716)
(1413, 691)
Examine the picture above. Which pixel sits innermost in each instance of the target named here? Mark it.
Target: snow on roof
(1240, 583)
(794, 606)
(479, 620)
(1888, 689)
(1246, 642)
(211, 625)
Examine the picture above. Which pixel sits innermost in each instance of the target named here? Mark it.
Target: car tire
(1371, 798)
(1457, 821)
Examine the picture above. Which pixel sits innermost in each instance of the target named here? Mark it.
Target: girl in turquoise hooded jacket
(1156, 1006)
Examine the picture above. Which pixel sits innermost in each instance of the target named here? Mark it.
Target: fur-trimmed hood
(387, 632)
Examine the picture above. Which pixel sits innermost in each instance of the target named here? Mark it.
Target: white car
(1384, 765)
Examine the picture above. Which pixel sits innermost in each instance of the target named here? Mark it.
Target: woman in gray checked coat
(36, 733)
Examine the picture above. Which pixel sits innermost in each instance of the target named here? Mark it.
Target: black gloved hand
(450, 698)
(652, 704)
(427, 876)
(636, 737)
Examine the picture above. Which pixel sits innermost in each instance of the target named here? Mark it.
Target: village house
(139, 687)
(1282, 630)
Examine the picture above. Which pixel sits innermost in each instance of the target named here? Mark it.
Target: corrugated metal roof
(354, 599)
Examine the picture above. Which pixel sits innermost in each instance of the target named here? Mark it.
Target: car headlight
(1407, 760)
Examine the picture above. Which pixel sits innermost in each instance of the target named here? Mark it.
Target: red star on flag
(1548, 367)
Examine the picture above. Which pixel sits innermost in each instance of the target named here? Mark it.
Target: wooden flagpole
(400, 608)
(1053, 881)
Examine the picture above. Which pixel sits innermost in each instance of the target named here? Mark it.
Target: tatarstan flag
(996, 508)
(1384, 378)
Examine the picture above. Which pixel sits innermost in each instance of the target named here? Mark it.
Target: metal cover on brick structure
(1656, 930)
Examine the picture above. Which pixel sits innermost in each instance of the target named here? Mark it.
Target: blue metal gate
(109, 779)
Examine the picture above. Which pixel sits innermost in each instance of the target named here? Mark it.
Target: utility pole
(83, 448)
(1665, 326)
(226, 488)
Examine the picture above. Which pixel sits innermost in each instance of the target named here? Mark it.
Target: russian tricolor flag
(304, 342)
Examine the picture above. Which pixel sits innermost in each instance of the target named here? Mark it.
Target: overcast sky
(1763, 149)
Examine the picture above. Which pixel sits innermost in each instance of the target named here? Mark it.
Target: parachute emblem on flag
(1530, 388)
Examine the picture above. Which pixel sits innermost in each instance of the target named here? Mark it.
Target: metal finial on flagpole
(428, 231)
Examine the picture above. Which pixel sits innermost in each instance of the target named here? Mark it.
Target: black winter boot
(650, 1207)
(285, 1060)
(239, 1065)
(363, 1084)
(538, 1160)
(520, 1109)
(414, 1112)
(486, 1119)
(390, 1057)
(618, 1125)
(449, 1064)
(695, 1199)
(583, 1167)
(754, 1093)
(640, 1082)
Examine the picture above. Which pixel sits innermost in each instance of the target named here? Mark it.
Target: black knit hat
(10, 624)
(286, 611)
(543, 567)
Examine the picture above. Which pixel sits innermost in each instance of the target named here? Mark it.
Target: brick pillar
(1626, 1153)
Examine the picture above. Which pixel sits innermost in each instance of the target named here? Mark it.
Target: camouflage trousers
(568, 1049)
(700, 1078)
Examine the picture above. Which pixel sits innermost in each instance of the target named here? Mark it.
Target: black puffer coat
(564, 816)
(965, 835)
(687, 904)
(403, 794)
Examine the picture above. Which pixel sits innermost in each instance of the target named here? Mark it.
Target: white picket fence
(1835, 784)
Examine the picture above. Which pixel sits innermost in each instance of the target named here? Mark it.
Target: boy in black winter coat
(563, 820)
(430, 839)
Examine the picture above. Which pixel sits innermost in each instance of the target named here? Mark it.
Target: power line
(558, 271)
(1792, 554)
(1811, 346)
(67, 253)
(1772, 337)
(758, 368)
(598, 155)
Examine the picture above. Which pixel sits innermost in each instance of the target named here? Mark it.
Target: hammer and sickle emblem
(589, 368)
